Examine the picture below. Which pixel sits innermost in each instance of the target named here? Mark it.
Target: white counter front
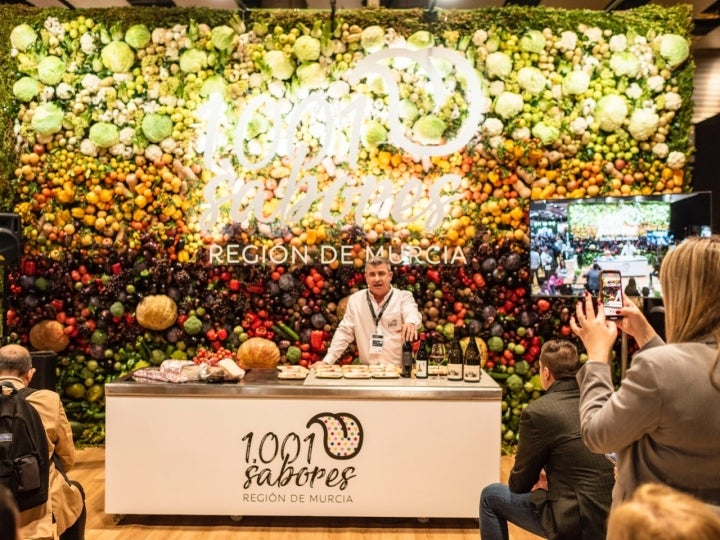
(398, 448)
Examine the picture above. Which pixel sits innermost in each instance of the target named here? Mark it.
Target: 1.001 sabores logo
(277, 462)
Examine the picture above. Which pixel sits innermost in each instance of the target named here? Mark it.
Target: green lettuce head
(375, 133)
(51, 70)
(118, 57)
(533, 42)
(48, 119)
(674, 49)
(422, 39)
(138, 36)
(104, 134)
(23, 37)
(306, 49)
(193, 60)
(372, 38)
(157, 127)
(222, 37)
(429, 129)
(279, 64)
(26, 89)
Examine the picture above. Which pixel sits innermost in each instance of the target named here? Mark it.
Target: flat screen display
(573, 240)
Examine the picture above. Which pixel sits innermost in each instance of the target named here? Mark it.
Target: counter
(318, 447)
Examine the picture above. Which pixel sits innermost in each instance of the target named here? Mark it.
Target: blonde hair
(658, 512)
(690, 279)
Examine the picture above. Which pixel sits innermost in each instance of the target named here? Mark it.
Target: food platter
(292, 372)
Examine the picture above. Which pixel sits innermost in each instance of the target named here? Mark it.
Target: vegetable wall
(244, 167)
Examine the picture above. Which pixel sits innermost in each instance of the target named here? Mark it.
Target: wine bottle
(421, 359)
(471, 360)
(407, 359)
(455, 358)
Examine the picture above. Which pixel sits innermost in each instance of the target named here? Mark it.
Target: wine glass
(438, 356)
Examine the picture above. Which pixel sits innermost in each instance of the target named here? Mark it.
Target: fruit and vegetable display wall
(192, 182)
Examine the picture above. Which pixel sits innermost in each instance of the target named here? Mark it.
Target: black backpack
(24, 458)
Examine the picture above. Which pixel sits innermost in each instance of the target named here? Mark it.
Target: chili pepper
(57, 304)
(255, 288)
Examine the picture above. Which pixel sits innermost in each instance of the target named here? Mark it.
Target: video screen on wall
(572, 240)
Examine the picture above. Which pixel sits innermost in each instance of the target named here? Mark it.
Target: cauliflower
(610, 112)
(673, 101)
(499, 65)
(625, 64)
(656, 83)
(618, 43)
(576, 82)
(508, 104)
(676, 160)
(493, 126)
(153, 153)
(643, 123)
(531, 80)
(521, 134)
(64, 91)
(593, 35)
(578, 126)
(634, 91)
(568, 41)
(660, 150)
(88, 148)
(479, 37)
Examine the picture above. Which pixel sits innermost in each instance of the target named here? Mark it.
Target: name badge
(376, 344)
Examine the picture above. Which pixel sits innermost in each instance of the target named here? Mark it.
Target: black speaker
(10, 239)
(707, 164)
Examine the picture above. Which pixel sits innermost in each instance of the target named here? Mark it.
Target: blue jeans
(498, 506)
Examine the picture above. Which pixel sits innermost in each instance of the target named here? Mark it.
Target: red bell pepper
(317, 339)
(29, 267)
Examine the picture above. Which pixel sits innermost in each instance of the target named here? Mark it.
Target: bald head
(15, 360)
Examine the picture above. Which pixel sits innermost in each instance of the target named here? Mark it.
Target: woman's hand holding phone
(597, 333)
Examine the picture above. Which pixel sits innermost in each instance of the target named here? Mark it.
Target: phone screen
(611, 292)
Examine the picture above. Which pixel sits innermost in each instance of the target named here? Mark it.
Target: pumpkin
(258, 352)
(156, 312)
(341, 307)
(49, 335)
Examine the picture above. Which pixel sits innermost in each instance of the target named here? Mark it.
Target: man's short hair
(561, 358)
(378, 261)
(15, 359)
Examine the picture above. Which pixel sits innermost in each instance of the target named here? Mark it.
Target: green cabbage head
(157, 127)
(422, 39)
(546, 133)
(306, 49)
(104, 134)
(23, 37)
(375, 133)
(280, 66)
(138, 36)
(193, 60)
(533, 42)
(674, 49)
(213, 85)
(51, 70)
(48, 119)
(222, 37)
(429, 129)
(118, 57)
(26, 89)
(372, 38)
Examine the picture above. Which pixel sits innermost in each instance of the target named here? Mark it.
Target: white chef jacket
(358, 325)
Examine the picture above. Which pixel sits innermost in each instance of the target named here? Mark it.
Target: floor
(90, 471)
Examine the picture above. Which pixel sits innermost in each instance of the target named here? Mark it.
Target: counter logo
(343, 434)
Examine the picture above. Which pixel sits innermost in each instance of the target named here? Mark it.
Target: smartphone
(612, 458)
(611, 293)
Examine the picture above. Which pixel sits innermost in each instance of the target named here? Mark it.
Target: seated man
(558, 489)
(65, 508)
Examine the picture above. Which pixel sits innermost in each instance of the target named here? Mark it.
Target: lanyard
(377, 317)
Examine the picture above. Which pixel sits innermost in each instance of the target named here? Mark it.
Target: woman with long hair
(664, 419)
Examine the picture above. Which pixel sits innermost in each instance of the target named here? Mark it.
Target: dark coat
(579, 482)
